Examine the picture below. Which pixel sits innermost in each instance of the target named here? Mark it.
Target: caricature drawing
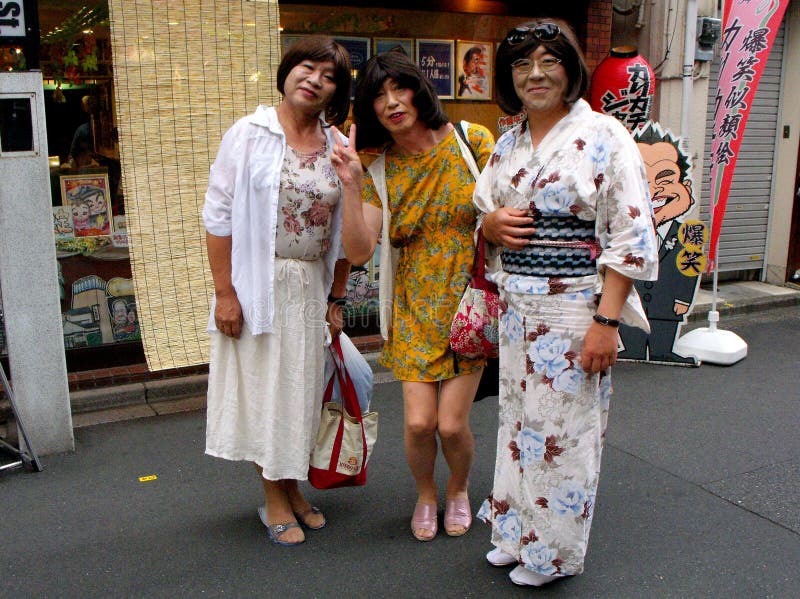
(667, 301)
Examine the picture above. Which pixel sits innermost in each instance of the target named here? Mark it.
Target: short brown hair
(320, 48)
(564, 47)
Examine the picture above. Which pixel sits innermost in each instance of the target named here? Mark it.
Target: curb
(141, 394)
(745, 307)
(158, 396)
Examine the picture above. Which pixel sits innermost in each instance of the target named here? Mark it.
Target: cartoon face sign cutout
(670, 186)
(667, 301)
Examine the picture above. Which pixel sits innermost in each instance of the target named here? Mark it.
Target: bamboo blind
(184, 71)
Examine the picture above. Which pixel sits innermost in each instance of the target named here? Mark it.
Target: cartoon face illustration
(670, 189)
(80, 215)
(472, 61)
(97, 203)
(119, 312)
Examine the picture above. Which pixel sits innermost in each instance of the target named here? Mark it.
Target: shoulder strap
(388, 255)
(377, 170)
(466, 148)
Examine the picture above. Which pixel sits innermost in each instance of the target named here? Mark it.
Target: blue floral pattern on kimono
(552, 415)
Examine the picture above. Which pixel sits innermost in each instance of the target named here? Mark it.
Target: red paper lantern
(623, 86)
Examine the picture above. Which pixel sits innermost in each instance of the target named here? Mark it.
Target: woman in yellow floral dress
(432, 222)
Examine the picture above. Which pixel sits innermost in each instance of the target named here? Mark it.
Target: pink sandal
(457, 514)
(424, 518)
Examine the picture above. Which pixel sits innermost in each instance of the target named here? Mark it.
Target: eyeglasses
(524, 66)
(545, 32)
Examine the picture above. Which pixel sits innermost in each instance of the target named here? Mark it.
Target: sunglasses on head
(544, 32)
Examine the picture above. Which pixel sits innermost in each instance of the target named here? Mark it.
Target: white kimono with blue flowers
(552, 415)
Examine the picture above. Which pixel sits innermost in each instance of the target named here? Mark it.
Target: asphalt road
(698, 498)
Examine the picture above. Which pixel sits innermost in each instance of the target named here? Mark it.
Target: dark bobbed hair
(320, 48)
(564, 47)
(400, 68)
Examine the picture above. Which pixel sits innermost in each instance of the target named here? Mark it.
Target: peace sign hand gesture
(345, 159)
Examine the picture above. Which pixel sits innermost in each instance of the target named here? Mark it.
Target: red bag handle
(479, 280)
(351, 405)
(349, 394)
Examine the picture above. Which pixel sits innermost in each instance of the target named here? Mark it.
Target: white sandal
(525, 578)
(498, 557)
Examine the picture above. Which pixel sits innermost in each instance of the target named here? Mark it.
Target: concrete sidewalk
(165, 396)
(698, 498)
(739, 297)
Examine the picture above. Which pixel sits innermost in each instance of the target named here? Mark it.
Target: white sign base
(712, 345)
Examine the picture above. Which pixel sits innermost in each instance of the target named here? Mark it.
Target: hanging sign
(623, 86)
(12, 19)
(748, 34)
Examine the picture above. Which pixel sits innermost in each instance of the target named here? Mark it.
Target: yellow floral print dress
(433, 220)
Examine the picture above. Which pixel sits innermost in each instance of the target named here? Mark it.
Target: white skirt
(265, 391)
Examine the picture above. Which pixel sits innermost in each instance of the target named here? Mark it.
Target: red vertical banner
(750, 27)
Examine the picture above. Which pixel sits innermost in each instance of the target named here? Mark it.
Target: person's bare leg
(420, 413)
(300, 505)
(458, 445)
(279, 511)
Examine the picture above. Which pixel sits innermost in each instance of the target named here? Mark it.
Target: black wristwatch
(339, 301)
(605, 321)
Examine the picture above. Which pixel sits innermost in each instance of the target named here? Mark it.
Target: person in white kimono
(273, 219)
(565, 205)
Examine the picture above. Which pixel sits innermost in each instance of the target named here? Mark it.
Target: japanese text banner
(750, 27)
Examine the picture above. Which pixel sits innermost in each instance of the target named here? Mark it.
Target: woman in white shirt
(273, 220)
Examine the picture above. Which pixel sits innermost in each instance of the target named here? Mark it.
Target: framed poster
(288, 39)
(474, 68)
(87, 197)
(359, 50)
(435, 59)
(124, 318)
(119, 238)
(358, 47)
(385, 44)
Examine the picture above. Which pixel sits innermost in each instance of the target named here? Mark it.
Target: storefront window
(97, 299)
(99, 308)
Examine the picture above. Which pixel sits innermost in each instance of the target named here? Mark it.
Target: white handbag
(345, 437)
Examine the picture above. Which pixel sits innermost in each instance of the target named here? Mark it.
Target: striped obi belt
(563, 246)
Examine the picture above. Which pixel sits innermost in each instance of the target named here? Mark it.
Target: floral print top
(587, 166)
(308, 194)
(432, 223)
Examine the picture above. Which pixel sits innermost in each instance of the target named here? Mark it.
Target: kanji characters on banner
(749, 30)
